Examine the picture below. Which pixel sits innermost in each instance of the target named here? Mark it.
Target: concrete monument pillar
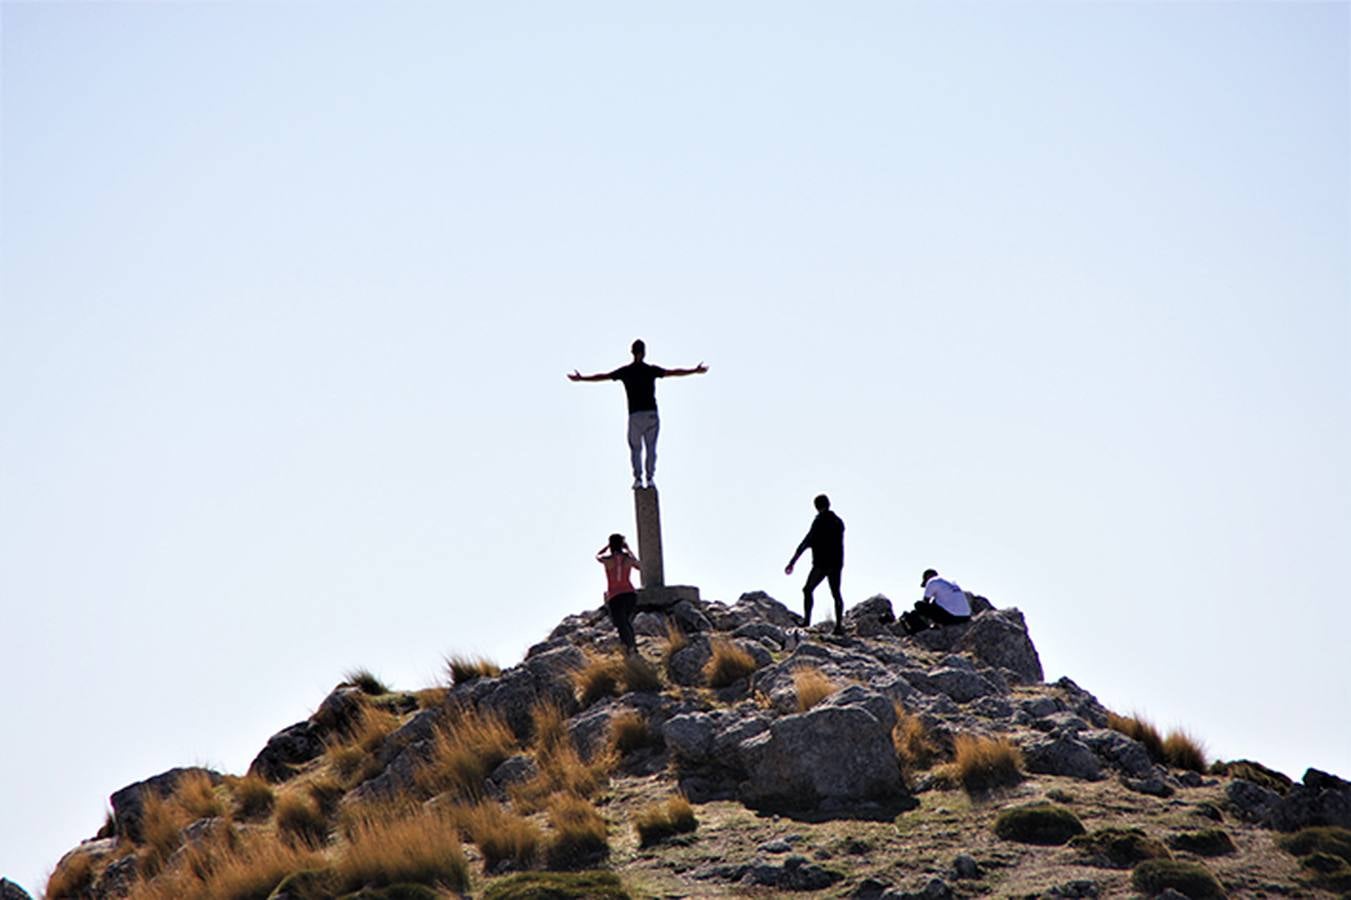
(656, 593)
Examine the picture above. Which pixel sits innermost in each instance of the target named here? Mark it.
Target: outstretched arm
(697, 370)
(574, 375)
(806, 542)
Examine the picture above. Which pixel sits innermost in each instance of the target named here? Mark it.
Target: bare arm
(697, 370)
(574, 375)
(806, 542)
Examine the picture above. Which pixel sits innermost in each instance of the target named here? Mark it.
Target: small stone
(776, 846)
(965, 867)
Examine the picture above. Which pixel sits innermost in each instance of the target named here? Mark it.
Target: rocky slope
(817, 766)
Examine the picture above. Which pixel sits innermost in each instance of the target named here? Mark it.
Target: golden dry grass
(229, 867)
(629, 731)
(502, 835)
(811, 686)
(71, 880)
(659, 821)
(982, 764)
(639, 676)
(366, 681)
(428, 698)
(561, 771)
(727, 665)
(467, 747)
(1140, 729)
(1182, 751)
(423, 848)
(580, 837)
(299, 820)
(915, 750)
(197, 796)
(602, 676)
(162, 822)
(549, 727)
(253, 796)
(464, 668)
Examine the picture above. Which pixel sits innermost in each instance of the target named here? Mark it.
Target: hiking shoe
(637, 484)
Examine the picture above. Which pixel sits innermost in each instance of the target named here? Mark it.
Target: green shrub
(1155, 876)
(1254, 772)
(660, 821)
(1322, 839)
(1038, 823)
(595, 885)
(1119, 848)
(366, 681)
(1206, 842)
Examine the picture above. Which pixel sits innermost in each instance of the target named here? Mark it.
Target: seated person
(944, 603)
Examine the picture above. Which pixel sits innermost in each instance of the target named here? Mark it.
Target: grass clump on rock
(1206, 842)
(1254, 772)
(596, 885)
(629, 731)
(366, 681)
(982, 764)
(727, 665)
(1182, 751)
(253, 797)
(915, 750)
(1138, 728)
(300, 821)
(1325, 852)
(580, 837)
(660, 821)
(503, 836)
(811, 686)
(1119, 848)
(1155, 876)
(463, 669)
(1038, 823)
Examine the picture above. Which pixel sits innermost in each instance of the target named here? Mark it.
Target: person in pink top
(621, 599)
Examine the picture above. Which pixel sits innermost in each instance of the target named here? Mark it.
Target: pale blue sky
(1053, 297)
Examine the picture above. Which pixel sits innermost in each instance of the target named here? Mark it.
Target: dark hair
(822, 502)
(639, 347)
(928, 573)
(617, 542)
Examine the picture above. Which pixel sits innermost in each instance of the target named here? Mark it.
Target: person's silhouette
(826, 540)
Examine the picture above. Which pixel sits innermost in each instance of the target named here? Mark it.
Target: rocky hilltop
(740, 755)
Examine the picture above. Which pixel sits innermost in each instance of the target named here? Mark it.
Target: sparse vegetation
(561, 768)
(229, 866)
(467, 747)
(197, 796)
(915, 750)
(811, 686)
(503, 836)
(162, 821)
(1254, 772)
(300, 823)
(1038, 823)
(727, 665)
(602, 676)
(463, 669)
(629, 731)
(982, 764)
(1140, 729)
(422, 849)
(430, 698)
(366, 681)
(72, 880)
(1155, 876)
(597, 885)
(1321, 839)
(549, 727)
(1119, 848)
(1182, 751)
(639, 676)
(326, 791)
(659, 821)
(579, 834)
(353, 754)
(253, 796)
(1206, 842)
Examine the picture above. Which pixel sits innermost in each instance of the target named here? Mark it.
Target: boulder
(962, 685)
(512, 696)
(129, 802)
(515, 769)
(796, 874)
(762, 632)
(1122, 753)
(1250, 802)
(11, 891)
(828, 757)
(1082, 703)
(999, 639)
(757, 606)
(686, 665)
(1061, 755)
(871, 617)
(689, 737)
(117, 878)
(340, 710)
(286, 750)
(1321, 799)
(689, 618)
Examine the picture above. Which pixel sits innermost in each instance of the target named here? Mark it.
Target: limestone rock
(871, 617)
(757, 606)
(11, 891)
(689, 737)
(796, 874)
(1321, 799)
(1062, 755)
(287, 749)
(129, 802)
(829, 756)
(686, 665)
(762, 632)
(1250, 802)
(340, 710)
(1122, 753)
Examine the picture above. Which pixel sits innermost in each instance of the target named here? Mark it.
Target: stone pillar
(648, 512)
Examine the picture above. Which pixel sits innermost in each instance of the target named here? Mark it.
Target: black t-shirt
(826, 540)
(640, 383)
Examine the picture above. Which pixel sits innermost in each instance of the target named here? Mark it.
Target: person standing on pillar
(621, 600)
(640, 384)
(826, 540)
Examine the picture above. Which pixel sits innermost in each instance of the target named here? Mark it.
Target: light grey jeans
(643, 428)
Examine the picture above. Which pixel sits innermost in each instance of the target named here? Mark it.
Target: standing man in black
(826, 539)
(640, 384)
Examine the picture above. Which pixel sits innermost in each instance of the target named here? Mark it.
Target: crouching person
(620, 598)
(944, 603)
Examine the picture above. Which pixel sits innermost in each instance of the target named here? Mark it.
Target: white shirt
(947, 595)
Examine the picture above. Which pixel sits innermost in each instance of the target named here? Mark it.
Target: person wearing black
(640, 384)
(826, 540)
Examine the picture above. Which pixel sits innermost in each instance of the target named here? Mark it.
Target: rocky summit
(739, 755)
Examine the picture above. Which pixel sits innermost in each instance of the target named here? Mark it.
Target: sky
(1052, 297)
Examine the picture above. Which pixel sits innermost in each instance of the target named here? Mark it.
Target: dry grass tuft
(728, 664)
(602, 676)
(229, 867)
(423, 848)
(1140, 729)
(464, 669)
(430, 698)
(162, 822)
(300, 821)
(1182, 751)
(640, 676)
(503, 837)
(915, 750)
(74, 879)
(580, 838)
(366, 681)
(561, 771)
(353, 754)
(549, 727)
(468, 746)
(197, 796)
(629, 731)
(811, 686)
(983, 764)
(253, 796)
(660, 821)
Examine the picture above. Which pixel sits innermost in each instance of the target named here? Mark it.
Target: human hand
(575, 376)
(788, 570)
